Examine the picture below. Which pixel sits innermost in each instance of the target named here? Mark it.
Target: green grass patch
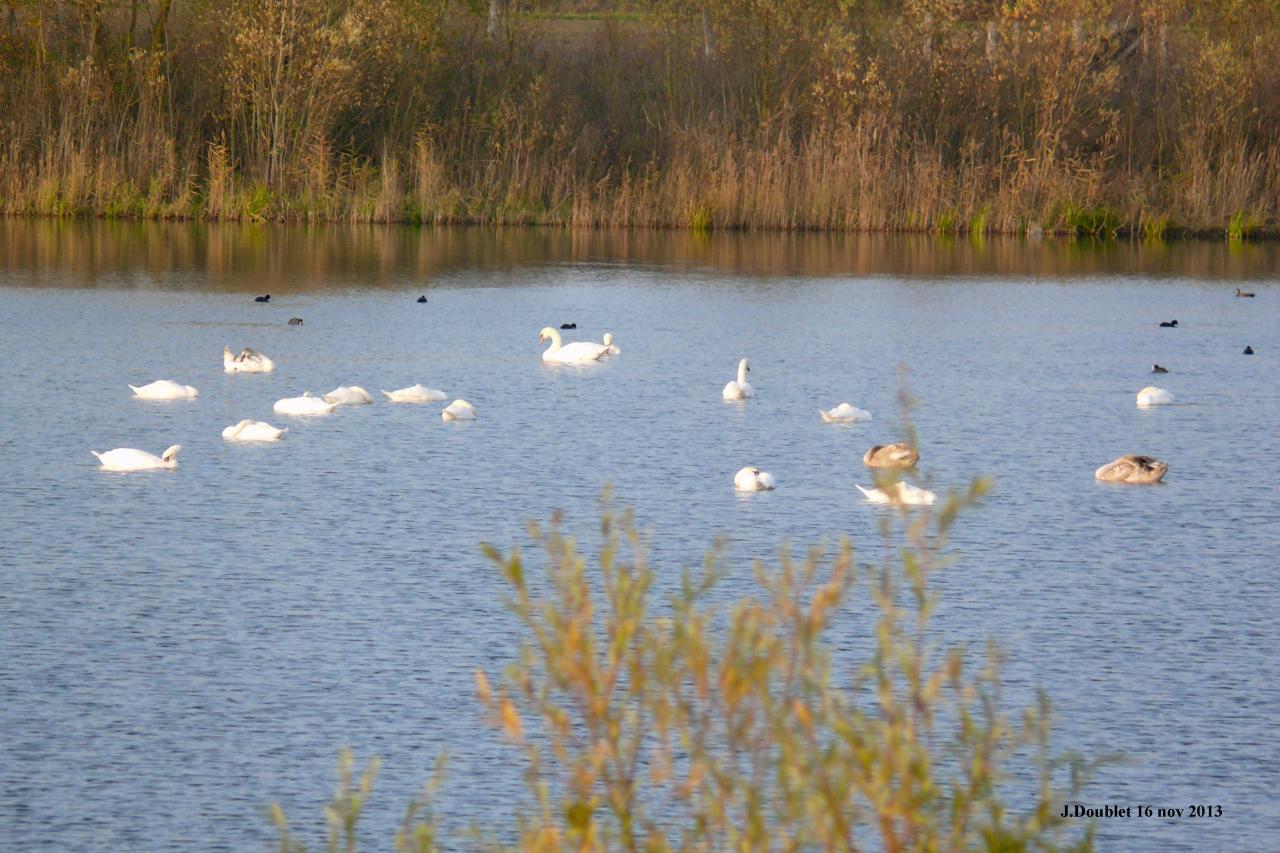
(1098, 221)
(1243, 225)
(701, 218)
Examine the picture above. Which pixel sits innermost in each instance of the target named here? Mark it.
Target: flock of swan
(1130, 468)
(127, 459)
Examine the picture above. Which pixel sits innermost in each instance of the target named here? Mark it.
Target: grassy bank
(1067, 116)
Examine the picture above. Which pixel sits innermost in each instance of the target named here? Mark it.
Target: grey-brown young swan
(1132, 469)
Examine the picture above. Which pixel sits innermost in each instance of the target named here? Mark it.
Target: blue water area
(180, 648)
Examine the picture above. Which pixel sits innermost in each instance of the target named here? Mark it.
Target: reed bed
(1093, 117)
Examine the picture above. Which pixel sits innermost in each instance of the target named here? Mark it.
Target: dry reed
(1074, 116)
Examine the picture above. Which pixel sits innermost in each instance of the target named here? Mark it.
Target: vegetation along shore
(1140, 117)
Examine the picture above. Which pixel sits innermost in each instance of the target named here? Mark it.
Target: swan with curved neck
(130, 459)
(251, 430)
(739, 389)
(246, 361)
(348, 395)
(1133, 469)
(897, 455)
(578, 352)
(752, 479)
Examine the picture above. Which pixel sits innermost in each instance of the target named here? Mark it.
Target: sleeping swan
(1153, 396)
(844, 414)
(164, 389)
(246, 361)
(128, 459)
(751, 479)
(1132, 469)
(897, 455)
(459, 410)
(741, 389)
(348, 395)
(248, 430)
(416, 394)
(899, 493)
(307, 404)
(578, 352)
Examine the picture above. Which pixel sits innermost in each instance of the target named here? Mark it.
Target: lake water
(179, 648)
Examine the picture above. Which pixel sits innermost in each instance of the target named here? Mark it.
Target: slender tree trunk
(495, 17)
(96, 47)
(159, 26)
(133, 23)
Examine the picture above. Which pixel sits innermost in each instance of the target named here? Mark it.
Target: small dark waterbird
(295, 321)
(422, 299)
(1169, 324)
(568, 325)
(264, 298)
(1240, 292)
(1158, 369)
(1248, 350)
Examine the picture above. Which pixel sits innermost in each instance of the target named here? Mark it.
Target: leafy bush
(687, 725)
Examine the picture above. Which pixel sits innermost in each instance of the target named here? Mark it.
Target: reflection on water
(237, 256)
(179, 648)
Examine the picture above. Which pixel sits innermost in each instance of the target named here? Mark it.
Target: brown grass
(1084, 116)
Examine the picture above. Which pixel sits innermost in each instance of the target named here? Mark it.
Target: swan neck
(555, 341)
(742, 372)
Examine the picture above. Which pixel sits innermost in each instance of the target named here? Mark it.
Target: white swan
(899, 493)
(610, 348)
(248, 430)
(416, 394)
(459, 410)
(751, 479)
(129, 459)
(1153, 396)
(578, 352)
(307, 404)
(348, 395)
(844, 414)
(741, 389)
(164, 389)
(246, 361)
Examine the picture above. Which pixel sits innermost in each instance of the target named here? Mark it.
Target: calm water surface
(179, 648)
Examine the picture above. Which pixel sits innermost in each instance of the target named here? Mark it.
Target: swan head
(744, 366)
(171, 455)
(549, 334)
(608, 339)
